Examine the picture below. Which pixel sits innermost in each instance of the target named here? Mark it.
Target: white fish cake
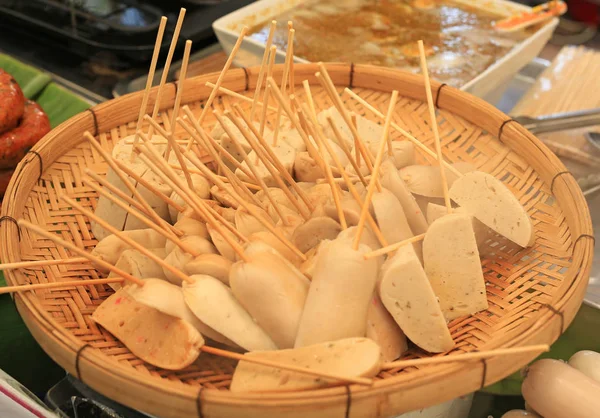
(453, 266)
(490, 201)
(408, 296)
(273, 292)
(351, 357)
(215, 305)
(155, 337)
(339, 294)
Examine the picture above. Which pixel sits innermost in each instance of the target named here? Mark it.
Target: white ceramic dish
(228, 27)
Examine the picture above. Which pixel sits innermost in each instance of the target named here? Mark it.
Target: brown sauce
(460, 40)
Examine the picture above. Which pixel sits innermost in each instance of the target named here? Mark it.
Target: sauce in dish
(460, 39)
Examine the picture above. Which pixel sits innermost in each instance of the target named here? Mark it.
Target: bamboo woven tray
(533, 294)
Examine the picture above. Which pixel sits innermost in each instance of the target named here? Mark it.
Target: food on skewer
(425, 180)
(111, 247)
(490, 201)
(406, 292)
(314, 231)
(214, 265)
(178, 258)
(347, 357)
(273, 292)
(384, 331)
(190, 226)
(339, 294)
(215, 304)
(271, 259)
(138, 265)
(107, 210)
(390, 217)
(162, 340)
(168, 299)
(390, 179)
(453, 266)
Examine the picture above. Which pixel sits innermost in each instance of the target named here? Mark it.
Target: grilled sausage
(12, 102)
(14, 144)
(5, 176)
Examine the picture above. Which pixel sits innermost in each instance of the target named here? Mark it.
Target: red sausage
(5, 176)
(15, 144)
(12, 102)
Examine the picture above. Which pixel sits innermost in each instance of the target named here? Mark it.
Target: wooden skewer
(251, 186)
(395, 246)
(132, 189)
(319, 130)
(249, 163)
(215, 150)
(434, 127)
(53, 285)
(361, 144)
(289, 367)
(215, 146)
(351, 177)
(355, 194)
(267, 94)
(286, 72)
(170, 178)
(263, 67)
(291, 49)
(375, 173)
(175, 112)
(273, 165)
(41, 263)
(402, 364)
(152, 156)
(165, 71)
(397, 127)
(261, 156)
(126, 239)
(171, 237)
(325, 80)
(152, 189)
(335, 190)
(309, 98)
(215, 90)
(356, 141)
(342, 144)
(247, 207)
(239, 96)
(268, 156)
(104, 183)
(149, 80)
(294, 118)
(239, 187)
(197, 204)
(95, 260)
(211, 216)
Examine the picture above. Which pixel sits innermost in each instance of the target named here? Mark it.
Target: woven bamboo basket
(533, 293)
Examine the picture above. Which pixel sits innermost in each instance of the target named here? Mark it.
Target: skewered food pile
(22, 124)
(295, 242)
(309, 240)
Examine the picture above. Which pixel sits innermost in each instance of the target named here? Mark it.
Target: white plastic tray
(228, 27)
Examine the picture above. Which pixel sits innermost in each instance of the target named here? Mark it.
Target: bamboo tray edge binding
(388, 396)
